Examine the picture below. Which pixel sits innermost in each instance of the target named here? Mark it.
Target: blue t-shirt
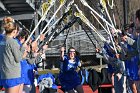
(107, 49)
(1, 36)
(132, 65)
(67, 65)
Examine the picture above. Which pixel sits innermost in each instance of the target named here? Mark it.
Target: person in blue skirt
(10, 56)
(28, 65)
(68, 76)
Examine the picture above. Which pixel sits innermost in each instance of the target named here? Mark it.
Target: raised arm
(62, 50)
(130, 41)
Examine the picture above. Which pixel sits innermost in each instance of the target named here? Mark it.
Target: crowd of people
(123, 65)
(18, 60)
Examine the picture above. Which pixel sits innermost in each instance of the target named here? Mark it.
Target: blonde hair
(9, 25)
(7, 20)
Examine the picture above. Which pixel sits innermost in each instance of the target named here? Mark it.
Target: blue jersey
(27, 73)
(68, 76)
(108, 52)
(69, 66)
(132, 66)
(1, 36)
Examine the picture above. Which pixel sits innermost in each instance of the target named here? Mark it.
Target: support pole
(101, 62)
(125, 10)
(36, 21)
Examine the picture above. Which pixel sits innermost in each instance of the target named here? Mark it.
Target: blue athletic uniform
(132, 66)
(68, 76)
(27, 73)
(8, 83)
(1, 37)
(110, 68)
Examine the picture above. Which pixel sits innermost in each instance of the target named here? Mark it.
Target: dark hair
(70, 49)
(138, 14)
(76, 52)
(23, 34)
(132, 25)
(126, 26)
(123, 33)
